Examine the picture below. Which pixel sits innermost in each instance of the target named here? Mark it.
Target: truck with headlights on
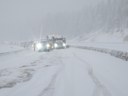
(58, 42)
(42, 46)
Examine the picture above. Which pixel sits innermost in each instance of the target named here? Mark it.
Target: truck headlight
(64, 44)
(38, 46)
(55, 45)
(48, 45)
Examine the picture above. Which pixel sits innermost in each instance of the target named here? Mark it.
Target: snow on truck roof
(55, 36)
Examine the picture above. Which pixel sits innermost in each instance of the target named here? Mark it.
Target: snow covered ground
(66, 72)
(9, 48)
(100, 39)
(113, 46)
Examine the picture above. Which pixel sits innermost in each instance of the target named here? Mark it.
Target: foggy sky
(21, 19)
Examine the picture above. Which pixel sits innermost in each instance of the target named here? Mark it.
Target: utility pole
(41, 31)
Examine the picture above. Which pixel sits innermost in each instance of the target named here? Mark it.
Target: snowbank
(9, 48)
(115, 53)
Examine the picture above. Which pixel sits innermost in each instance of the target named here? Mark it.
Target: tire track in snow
(49, 90)
(9, 77)
(100, 89)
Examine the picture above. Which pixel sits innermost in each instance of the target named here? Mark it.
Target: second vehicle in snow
(58, 42)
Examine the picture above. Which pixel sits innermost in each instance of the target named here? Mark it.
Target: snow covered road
(69, 72)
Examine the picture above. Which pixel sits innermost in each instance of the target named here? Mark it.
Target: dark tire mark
(100, 89)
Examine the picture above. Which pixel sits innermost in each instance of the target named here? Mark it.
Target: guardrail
(119, 54)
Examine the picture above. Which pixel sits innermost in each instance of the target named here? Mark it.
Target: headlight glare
(38, 46)
(48, 45)
(64, 44)
(55, 45)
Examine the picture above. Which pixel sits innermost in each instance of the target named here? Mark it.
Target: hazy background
(24, 19)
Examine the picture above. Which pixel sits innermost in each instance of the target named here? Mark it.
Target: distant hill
(100, 36)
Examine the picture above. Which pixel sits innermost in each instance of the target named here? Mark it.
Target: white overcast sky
(17, 16)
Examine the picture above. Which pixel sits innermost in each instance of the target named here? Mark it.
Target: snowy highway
(66, 72)
(63, 47)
